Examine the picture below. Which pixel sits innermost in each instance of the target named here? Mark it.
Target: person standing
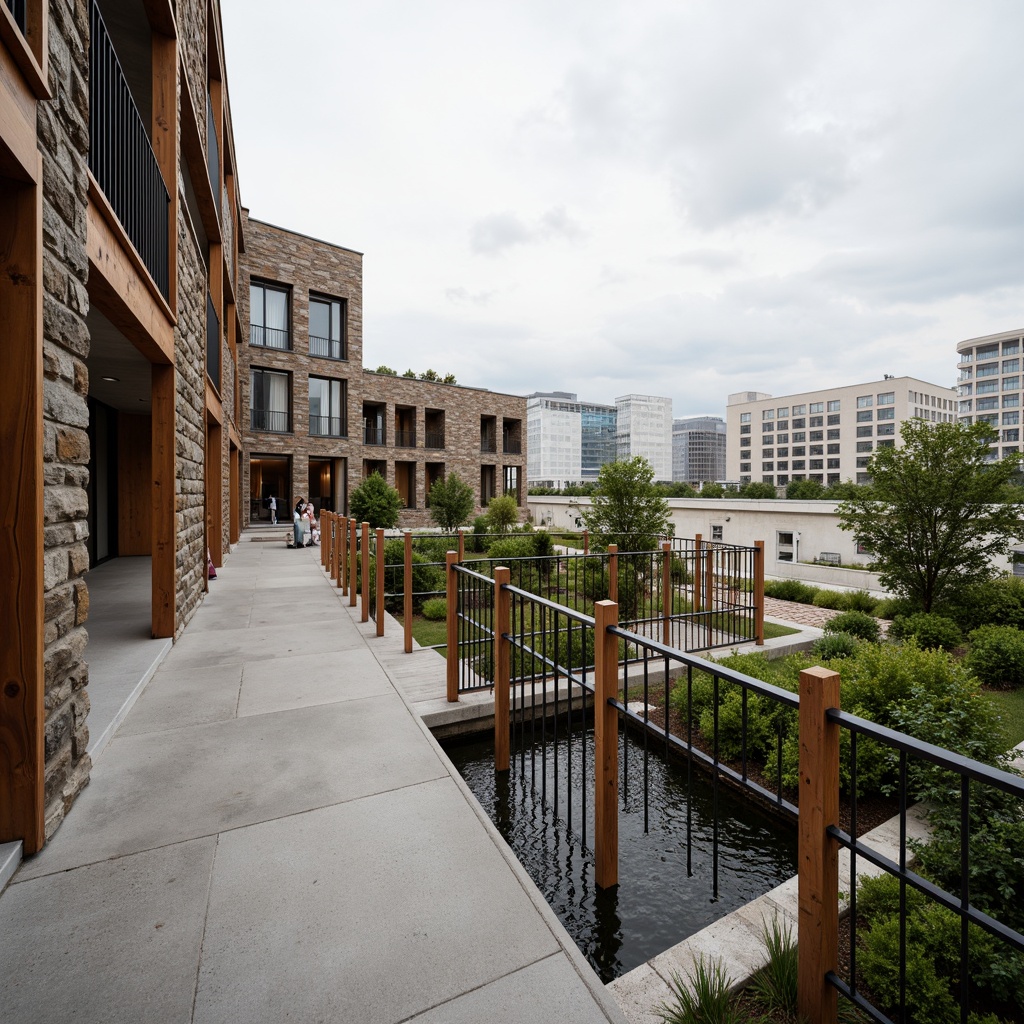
(273, 510)
(297, 521)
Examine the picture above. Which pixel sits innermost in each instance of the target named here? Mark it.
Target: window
(833, 421)
(816, 407)
(782, 424)
(1011, 383)
(815, 464)
(833, 406)
(782, 438)
(744, 417)
(887, 443)
(716, 532)
(767, 414)
(767, 428)
(832, 435)
(863, 478)
(268, 316)
(328, 415)
(797, 424)
(744, 442)
(988, 387)
(965, 389)
(862, 461)
(783, 412)
(510, 482)
(767, 479)
(782, 452)
(268, 401)
(886, 429)
(767, 467)
(1011, 348)
(327, 328)
(886, 414)
(1011, 365)
(864, 446)
(816, 421)
(865, 431)
(986, 352)
(744, 467)
(991, 418)
(988, 370)
(784, 546)
(864, 416)
(745, 429)
(783, 465)
(767, 453)
(865, 401)
(987, 403)
(833, 449)
(817, 449)
(800, 435)
(1011, 419)
(799, 464)
(1012, 435)
(833, 464)
(783, 479)
(889, 398)
(799, 410)
(816, 435)
(1010, 400)
(800, 450)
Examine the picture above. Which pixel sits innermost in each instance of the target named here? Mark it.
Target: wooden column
(338, 550)
(364, 574)
(666, 593)
(698, 573)
(329, 538)
(380, 582)
(452, 648)
(325, 543)
(613, 573)
(502, 667)
(606, 746)
(817, 854)
(22, 714)
(352, 554)
(234, 494)
(215, 490)
(407, 594)
(759, 591)
(164, 500)
(462, 546)
(586, 542)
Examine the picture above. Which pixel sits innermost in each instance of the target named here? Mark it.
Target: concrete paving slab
(168, 787)
(310, 679)
(326, 879)
(639, 992)
(113, 942)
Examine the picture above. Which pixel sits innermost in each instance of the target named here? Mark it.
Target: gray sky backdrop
(683, 198)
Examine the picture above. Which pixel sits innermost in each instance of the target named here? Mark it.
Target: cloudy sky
(671, 197)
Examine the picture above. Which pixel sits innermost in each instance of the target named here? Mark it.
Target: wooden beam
(28, 52)
(22, 714)
(163, 599)
(18, 151)
(161, 16)
(165, 132)
(192, 151)
(606, 746)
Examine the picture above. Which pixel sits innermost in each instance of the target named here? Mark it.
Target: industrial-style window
(328, 412)
(327, 328)
(269, 405)
(268, 316)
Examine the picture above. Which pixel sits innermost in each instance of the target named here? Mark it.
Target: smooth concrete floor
(272, 834)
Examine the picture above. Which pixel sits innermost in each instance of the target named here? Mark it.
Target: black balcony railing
(405, 438)
(271, 420)
(17, 8)
(433, 439)
(327, 426)
(512, 446)
(212, 343)
(121, 158)
(329, 348)
(373, 435)
(212, 148)
(487, 444)
(269, 337)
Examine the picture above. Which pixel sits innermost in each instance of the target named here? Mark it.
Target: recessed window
(269, 405)
(833, 406)
(268, 316)
(865, 415)
(865, 431)
(782, 438)
(865, 401)
(816, 407)
(816, 421)
(783, 412)
(716, 532)
(865, 446)
(833, 449)
(886, 414)
(833, 421)
(885, 429)
(327, 328)
(745, 429)
(1011, 383)
(744, 417)
(816, 435)
(328, 413)
(799, 435)
(767, 414)
(889, 398)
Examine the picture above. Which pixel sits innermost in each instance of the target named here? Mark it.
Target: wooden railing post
(452, 649)
(586, 542)
(364, 575)
(352, 554)
(606, 746)
(407, 593)
(325, 544)
(698, 572)
(337, 547)
(709, 578)
(613, 573)
(817, 854)
(462, 545)
(502, 667)
(666, 593)
(380, 582)
(759, 592)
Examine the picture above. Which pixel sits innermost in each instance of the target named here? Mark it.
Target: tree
(430, 375)
(386, 371)
(712, 490)
(410, 373)
(376, 502)
(759, 489)
(626, 508)
(502, 514)
(937, 510)
(449, 378)
(805, 490)
(451, 502)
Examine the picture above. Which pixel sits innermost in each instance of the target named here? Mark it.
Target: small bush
(998, 602)
(829, 599)
(435, 609)
(511, 547)
(858, 624)
(702, 997)
(890, 607)
(790, 590)
(859, 601)
(679, 570)
(775, 984)
(996, 656)
(928, 629)
(835, 645)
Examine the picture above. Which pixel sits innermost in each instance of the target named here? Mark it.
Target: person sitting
(314, 526)
(297, 521)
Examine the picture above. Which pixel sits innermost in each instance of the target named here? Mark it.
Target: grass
(1010, 704)
(774, 629)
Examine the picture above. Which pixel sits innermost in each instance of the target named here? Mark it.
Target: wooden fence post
(666, 593)
(327, 522)
(502, 667)
(698, 572)
(462, 545)
(364, 574)
(759, 592)
(324, 544)
(340, 536)
(606, 746)
(817, 854)
(407, 594)
(586, 542)
(709, 578)
(452, 649)
(380, 582)
(613, 573)
(352, 553)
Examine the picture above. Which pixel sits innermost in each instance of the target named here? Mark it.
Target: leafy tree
(376, 502)
(712, 490)
(386, 371)
(937, 511)
(502, 513)
(626, 508)
(430, 375)
(410, 373)
(451, 502)
(844, 490)
(805, 490)
(676, 490)
(449, 378)
(759, 489)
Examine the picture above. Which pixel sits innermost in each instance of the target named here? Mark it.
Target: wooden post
(709, 578)
(698, 572)
(502, 667)
(324, 544)
(759, 592)
(351, 568)
(407, 593)
(462, 546)
(380, 582)
(817, 854)
(586, 542)
(606, 746)
(613, 573)
(364, 574)
(327, 537)
(666, 593)
(338, 549)
(452, 649)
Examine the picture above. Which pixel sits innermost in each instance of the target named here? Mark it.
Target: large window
(328, 412)
(327, 328)
(269, 408)
(268, 316)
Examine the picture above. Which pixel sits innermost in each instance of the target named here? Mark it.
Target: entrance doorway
(269, 475)
(328, 484)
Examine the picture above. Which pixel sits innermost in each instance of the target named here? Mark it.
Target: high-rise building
(553, 439)
(644, 427)
(597, 430)
(989, 386)
(698, 450)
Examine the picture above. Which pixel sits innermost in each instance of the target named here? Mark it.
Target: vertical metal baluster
(689, 771)
(965, 892)
(853, 862)
(903, 885)
(714, 801)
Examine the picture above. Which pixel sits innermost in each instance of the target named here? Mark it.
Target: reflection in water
(659, 901)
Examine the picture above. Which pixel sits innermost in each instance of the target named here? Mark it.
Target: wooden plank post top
(407, 594)
(817, 854)
(606, 746)
(452, 648)
(502, 666)
(462, 545)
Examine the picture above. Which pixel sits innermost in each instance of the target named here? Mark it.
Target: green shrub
(859, 601)
(775, 984)
(595, 580)
(890, 607)
(835, 645)
(929, 630)
(996, 656)
(476, 542)
(702, 997)
(435, 609)
(829, 599)
(858, 624)
(997, 602)
(511, 547)
(790, 590)
(680, 570)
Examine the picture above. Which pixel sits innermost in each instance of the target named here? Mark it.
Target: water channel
(657, 903)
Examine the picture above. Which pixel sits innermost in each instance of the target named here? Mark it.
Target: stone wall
(64, 141)
(191, 22)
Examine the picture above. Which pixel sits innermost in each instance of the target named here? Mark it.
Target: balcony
(405, 438)
(433, 439)
(327, 426)
(373, 435)
(488, 444)
(212, 343)
(272, 421)
(121, 158)
(270, 337)
(327, 348)
(212, 150)
(512, 446)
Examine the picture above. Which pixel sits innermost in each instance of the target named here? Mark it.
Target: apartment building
(554, 431)
(644, 427)
(828, 435)
(318, 423)
(121, 233)
(698, 450)
(989, 388)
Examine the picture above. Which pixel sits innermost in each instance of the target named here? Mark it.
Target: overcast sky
(673, 198)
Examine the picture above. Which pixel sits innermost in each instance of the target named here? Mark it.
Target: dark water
(659, 900)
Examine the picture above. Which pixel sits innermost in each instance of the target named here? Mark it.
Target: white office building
(698, 450)
(644, 427)
(553, 439)
(989, 386)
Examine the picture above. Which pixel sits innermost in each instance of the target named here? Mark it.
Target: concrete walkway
(273, 834)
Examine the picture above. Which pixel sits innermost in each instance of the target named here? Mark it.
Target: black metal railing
(474, 614)
(17, 9)
(212, 343)
(373, 435)
(273, 421)
(512, 446)
(488, 444)
(270, 337)
(212, 147)
(327, 426)
(433, 439)
(121, 157)
(405, 438)
(328, 348)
